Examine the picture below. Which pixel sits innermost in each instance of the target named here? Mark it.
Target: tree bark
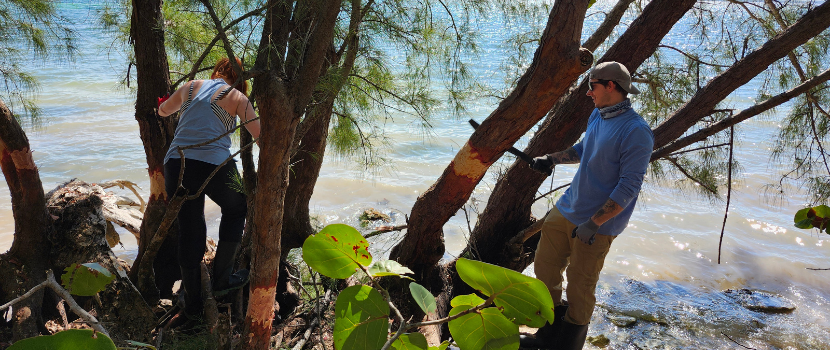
(153, 81)
(282, 93)
(305, 170)
(508, 210)
(24, 265)
(558, 62)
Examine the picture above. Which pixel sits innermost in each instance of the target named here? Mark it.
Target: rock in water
(621, 320)
(756, 300)
(599, 341)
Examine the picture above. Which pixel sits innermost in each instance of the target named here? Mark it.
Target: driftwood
(80, 222)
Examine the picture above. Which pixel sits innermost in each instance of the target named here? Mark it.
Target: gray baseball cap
(616, 72)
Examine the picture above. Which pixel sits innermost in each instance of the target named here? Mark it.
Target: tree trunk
(811, 24)
(282, 93)
(307, 162)
(508, 210)
(24, 265)
(558, 62)
(153, 81)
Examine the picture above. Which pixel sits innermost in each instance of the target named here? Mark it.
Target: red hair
(223, 69)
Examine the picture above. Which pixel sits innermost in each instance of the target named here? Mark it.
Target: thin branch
(221, 29)
(698, 60)
(675, 154)
(384, 229)
(686, 173)
(733, 340)
(815, 269)
(741, 116)
(728, 188)
(612, 19)
(551, 191)
(64, 294)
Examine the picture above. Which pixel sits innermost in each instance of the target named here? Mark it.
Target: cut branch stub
(361, 319)
(524, 299)
(337, 251)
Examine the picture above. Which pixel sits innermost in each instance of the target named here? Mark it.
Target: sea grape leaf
(411, 341)
(72, 339)
(443, 346)
(361, 319)
(471, 300)
(337, 251)
(487, 329)
(388, 268)
(86, 279)
(524, 299)
(423, 298)
(591, 3)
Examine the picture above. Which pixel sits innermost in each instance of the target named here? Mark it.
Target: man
(613, 157)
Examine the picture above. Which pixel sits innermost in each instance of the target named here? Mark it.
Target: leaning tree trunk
(558, 62)
(282, 101)
(704, 101)
(24, 265)
(509, 209)
(153, 81)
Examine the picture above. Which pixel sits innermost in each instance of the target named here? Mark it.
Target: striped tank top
(202, 120)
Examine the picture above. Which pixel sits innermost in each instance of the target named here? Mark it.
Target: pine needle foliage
(29, 30)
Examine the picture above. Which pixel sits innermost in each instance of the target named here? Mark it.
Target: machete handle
(519, 154)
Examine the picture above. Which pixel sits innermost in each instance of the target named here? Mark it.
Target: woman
(208, 110)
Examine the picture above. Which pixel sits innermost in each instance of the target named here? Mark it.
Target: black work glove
(586, 231)
(543, 164)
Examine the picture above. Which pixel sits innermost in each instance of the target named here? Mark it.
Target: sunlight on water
(665, 263)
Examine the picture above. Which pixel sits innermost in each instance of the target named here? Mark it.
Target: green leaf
(337, 251)
(72, 339)
(423, 298)
(388, 268)
(443, 346)
(471, 300)
(822, 211)
(86, 280)
(410, 341)
(361, 319)
(524, 299)
(804, 224)
(591, 3)
(800, 217)
(487, 329)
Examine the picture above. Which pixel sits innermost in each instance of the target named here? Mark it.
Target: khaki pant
(558, 251)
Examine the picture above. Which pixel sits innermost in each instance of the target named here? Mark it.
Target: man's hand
(586, 231)
(543, 164)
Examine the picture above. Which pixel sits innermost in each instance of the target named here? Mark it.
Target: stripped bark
(558, 61)
(282, 93)
(24, 266)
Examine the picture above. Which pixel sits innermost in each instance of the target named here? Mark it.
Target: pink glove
(162, 99)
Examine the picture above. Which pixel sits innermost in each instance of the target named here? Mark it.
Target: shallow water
(665, 263)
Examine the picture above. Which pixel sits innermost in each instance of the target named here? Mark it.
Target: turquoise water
(89, 132)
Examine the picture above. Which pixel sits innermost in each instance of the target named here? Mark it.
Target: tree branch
(728, 188)
(686, 173)
(612, 19)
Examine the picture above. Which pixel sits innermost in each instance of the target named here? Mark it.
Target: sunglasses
(600, 81)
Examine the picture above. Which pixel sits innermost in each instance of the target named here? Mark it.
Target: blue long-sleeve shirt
(614, 156)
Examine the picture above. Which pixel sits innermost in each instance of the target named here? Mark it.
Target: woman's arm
(245, 111)
(174, 103)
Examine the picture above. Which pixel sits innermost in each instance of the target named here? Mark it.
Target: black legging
(192, 227)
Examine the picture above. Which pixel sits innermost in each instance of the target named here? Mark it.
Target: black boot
(224, 279)
(572, 336)
(190, 313)
(547, 336)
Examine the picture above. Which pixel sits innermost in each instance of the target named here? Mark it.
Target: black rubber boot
(190, 314)
(548, 336)
(224, 279)
(572, 337)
